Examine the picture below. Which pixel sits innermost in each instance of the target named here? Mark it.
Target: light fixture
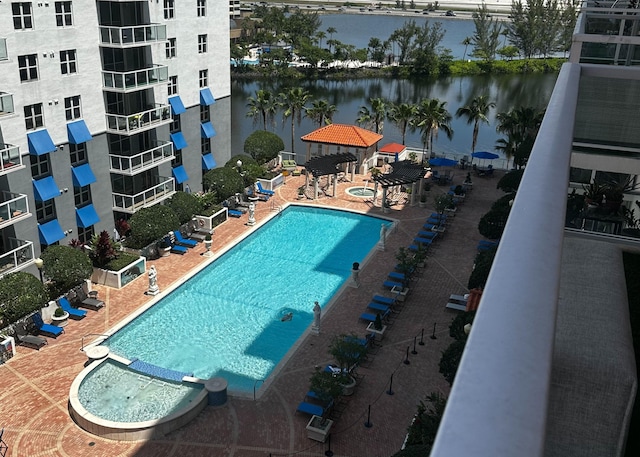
(39, 264)
(467, 329)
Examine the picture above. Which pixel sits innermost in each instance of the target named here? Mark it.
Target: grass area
(632, 275)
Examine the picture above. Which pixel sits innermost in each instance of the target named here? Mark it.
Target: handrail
(91, 334)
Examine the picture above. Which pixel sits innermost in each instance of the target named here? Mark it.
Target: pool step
(156, 371)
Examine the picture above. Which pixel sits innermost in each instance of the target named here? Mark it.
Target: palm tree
(320, 35)
(293, 102)
(467, 41)
(373, 117)
(262, 107)
(520, 125)
(331, 31)
(431, 117)
(321, 112)
(476, 112)
(401, 114)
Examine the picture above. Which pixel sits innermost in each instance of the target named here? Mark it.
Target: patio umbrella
(484, 155)
(442, 162)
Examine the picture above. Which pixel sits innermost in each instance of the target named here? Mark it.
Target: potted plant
(207, 244)
(348, 351)
(377, 327)
(60, 317)
(442, 202)
(593, 194)
(406, 263)
(300, 192)
(423, 201)
(614, 193)
(164, 247)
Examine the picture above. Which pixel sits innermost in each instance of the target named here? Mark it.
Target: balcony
(130, 81)
(139, 122)
(11, 158)
(19, 256)
(3, 49)
(127, 37)
(6, 103)
(131, 165)
(13, 208)
(132, 203)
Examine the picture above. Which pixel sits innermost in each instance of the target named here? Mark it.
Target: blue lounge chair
(262, 198)
(310, 409)
(435, 221)
(438, 216)
(183, 241)
(46, 329)
(429, 226)
(384, 300)
(176, 249)
(427, 234)
(391, 284)
(378, 307)
(234, 213)
(426, 241)
(264, 191)
(397, 276)
(73, 312)
(370, 317)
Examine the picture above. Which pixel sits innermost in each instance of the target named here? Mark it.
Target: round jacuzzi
(360, 192)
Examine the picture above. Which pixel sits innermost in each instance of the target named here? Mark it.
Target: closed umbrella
(442, 162)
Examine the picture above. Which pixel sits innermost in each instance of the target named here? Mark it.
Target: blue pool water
(226, 320)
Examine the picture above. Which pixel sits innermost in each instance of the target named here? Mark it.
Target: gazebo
(403, 172)
(328, 165)
(343, 138)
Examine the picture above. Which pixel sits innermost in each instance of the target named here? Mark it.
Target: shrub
(263, 146)
(121, 261)
(65, 267)
(185, 206)
(20, 294)
(422, 433)
(151, 224)
(481, 269)
(451, 359)
(492, 224)
(103, 249)
(250, 171)
(223, 182)
(511, 181)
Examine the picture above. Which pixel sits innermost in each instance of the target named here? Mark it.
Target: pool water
(120, 395)
(226, 320)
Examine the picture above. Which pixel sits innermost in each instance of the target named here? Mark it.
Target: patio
(35, 384)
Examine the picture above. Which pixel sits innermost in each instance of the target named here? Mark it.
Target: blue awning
(45, 189)
(86, 216)
(180, 174)
(50, 232)
(207, 130)
(176, 105)
(206, 97)
(208, 162)
(83, 175)
(78, 132)
(40, 142)
(178, 140)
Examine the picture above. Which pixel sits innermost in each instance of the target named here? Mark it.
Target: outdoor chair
(46, 329)
(86, 300)
(23, 338)
(74, 313)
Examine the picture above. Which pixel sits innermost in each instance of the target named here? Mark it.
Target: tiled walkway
(34, 386)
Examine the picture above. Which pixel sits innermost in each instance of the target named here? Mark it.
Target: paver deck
(34, 385)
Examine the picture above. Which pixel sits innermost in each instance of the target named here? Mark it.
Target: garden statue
(355, 271)
(252, 212)
(317, 312)
(153, 281)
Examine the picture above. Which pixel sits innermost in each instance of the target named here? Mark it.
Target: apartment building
(106, 107)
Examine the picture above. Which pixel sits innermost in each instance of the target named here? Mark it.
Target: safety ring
(201, 222)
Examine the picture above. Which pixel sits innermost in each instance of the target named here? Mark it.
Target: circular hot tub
(360, 192)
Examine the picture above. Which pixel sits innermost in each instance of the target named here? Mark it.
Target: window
(204, 78)
(205, 145)
(77, 153)
(33, 117)
(28, 66)
(85, 234)
(170, 48)
(172, 88)
(63, 14)
(202, 44)
(177, 158)
(175, 123)
(46, 211)
(202, 8)
(22, 15)
(205, 113)
(82, 195)
(169, 9)
(40, 166)
(68, 62)
(72, 108)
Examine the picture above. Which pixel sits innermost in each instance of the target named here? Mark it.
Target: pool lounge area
(35, 385)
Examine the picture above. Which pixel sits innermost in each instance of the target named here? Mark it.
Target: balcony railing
(20, 255)
(3, 49)
(11, 158)
(502, 386)
(131, 165)
(124, 37)
(14, 207)
(134, 80)
(132, 203)
(139, 122)
(6, 103)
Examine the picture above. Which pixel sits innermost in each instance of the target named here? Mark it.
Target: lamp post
(39, 264)
(239, 165)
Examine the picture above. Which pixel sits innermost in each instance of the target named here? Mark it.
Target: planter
(207, 223)
(422, 204)
(272, 184)
(378, 333)
(60, 321)
(349, 386)
(119, 279)
(165, 252)
(318, 428)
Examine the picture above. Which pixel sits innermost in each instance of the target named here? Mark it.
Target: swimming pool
(226, 320)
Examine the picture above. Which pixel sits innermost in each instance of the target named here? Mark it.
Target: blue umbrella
(484, 155)
(442, 162)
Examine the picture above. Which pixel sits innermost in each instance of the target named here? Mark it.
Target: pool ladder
(91, 334)
(275, 207)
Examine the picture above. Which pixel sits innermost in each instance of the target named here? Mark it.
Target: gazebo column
(421, 188)
(335, 185)
(308, 151)
(375, 191)
(413, 193)
(353, 167)
(385, 208)
(315, 189)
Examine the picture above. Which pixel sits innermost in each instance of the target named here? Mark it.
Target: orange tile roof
(392, 148)
(343, 135)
